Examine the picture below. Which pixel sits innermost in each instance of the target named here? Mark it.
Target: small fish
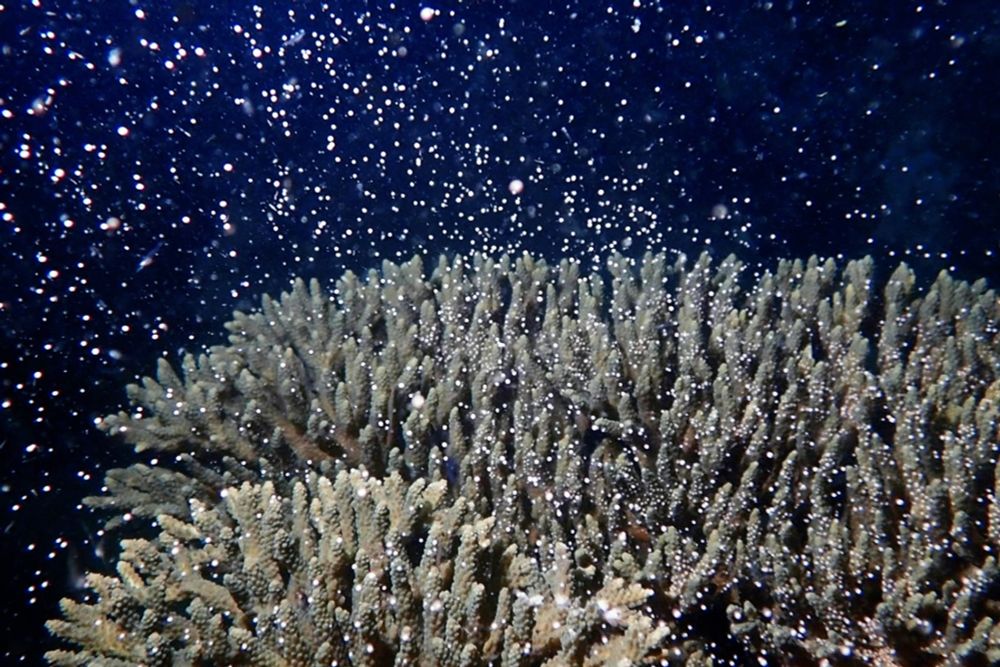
(147, 259)
(75, 571)
(294, 39)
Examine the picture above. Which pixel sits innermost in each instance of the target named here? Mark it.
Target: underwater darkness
(163, 163)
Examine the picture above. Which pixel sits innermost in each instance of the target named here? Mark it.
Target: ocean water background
(164, 163)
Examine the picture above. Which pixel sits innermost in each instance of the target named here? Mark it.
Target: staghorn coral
(353, 570)
(507, 463)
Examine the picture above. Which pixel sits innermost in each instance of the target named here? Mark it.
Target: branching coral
(507, 463)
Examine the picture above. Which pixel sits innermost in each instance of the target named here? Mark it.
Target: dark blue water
(163, 163)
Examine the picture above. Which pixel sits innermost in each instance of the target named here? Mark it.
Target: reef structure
(510, 463)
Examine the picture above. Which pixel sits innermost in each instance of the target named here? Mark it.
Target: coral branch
(505, 463)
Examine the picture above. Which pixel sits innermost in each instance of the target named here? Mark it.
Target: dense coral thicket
(510, 463)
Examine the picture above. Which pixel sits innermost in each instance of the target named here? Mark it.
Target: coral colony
(510, 463)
